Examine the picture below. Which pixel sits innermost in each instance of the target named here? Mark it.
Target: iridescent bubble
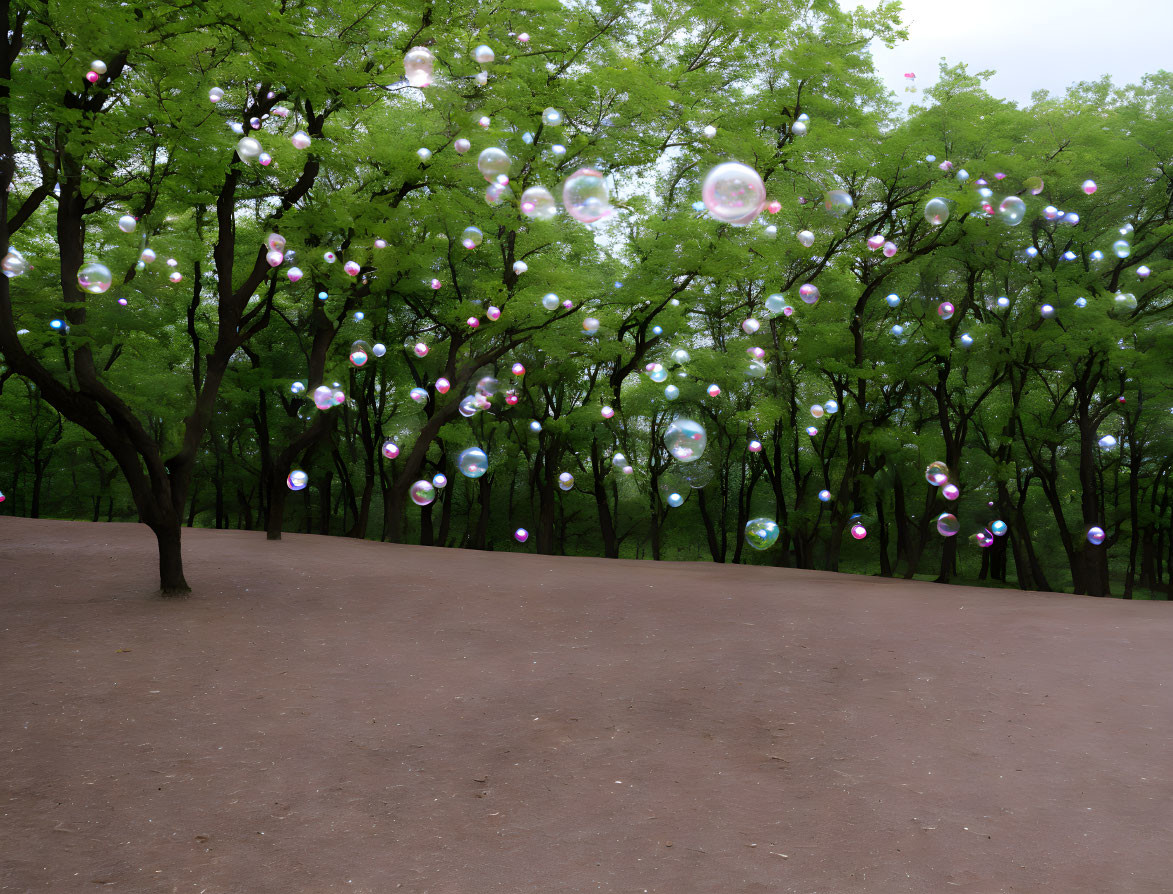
(488, 385)
(550, 301)
(998, 528)
(1107, 442)
(966, 340)
(675, 500)
(471, 237)
(950, 491)
(607, 412)
(1125, 303)
(671, 392)
(590, 325)
(685, 439)
(519, 267)
(351, 268)
(297, 387)
(538, 202)
(713, 390)
(420, 349)
(936, 211)
(1089, 187)
(1127, 230)
(443, 385)
(249, 149)
(657, 373)
(1003, 302)
(215, 94)
(294, 274)
(750, 326)
(1051, 212)
(947, 524)
(94, 278)
(824, 496)
(756, 369)
(338, 397)
(274, 258)
(817, 411)
(937, 473)
(809, 293)
(1096, 256)
(484, 54)
(858, 531)
(521, 535)
(494, 165)
(775, 303)
(734, 193)
(297, 480)
(756, 352)
(323, 397)
(418, 65)
(585, 196)
(422, 492)
(831, 406)
(1012, 211)
(1095, 535)
(1034, 184)
(893, 300)
(565, 481)
(1081, 302)
(419, 395)
(755, 446)
(493, 313)
(1047, 311)
(681, 356)
(837, 202)
(945, 310)
(761, 533)
(875, 242)
(983, 538)
(1143, 272)
(439, 481)
(806, 238)
(14, 264)
(390, 449)
(360, 352)
(127, 223)
(551, 117)
(890, 249)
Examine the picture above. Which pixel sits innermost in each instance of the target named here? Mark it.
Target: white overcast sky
(1032, 44)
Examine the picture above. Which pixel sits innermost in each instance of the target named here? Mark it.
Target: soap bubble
(945, 310)
(858, 531)
(551, 117)
(1047, 311)
(936, 211)
(550, 301)
(755, 369)
(519, 267)
(657, 373)
(1089, 187)
(294, 274)
(675, 500)
(521, 535)
(215, 94)
(471, 237)
(890, 249)
(14, 264)
(1121, 248)
(323, 397)
(806, 238)
(94, 278)
(419, 395)
(360, 352)
(750, 326)
(439, 481)
(734, 193)
(831, 406)
(761, 533)
(127, 223)
(947, 524)
(538, 202)
(484, 54)
(1012, 211)
(811, 431)
(297, 480)
(950, 491)
(420, 349)
(1125, 303)
(824, 496)
(297, 387)
(351, 268)
(1143, 272)
(809, 293)
(937, 473)
(390, 449)
(998, 528)
(422, 492)
(775, 303)
(893, 300)
(418, 65)
(817, 411)
(249, 149)
(714, 390)
(494, 164)
(274, 258)
(671, 392)
(565, 481)
(1034, 184)
(837, 202)
(897, 329)
(983, 538)
(755, 446)
(1095, 535)
(685, 439)
(424, 154)
(1107, 442)
(585, 196)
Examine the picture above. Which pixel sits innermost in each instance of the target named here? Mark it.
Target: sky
(1032, 44)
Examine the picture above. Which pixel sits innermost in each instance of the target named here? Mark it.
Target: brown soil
(329, 715)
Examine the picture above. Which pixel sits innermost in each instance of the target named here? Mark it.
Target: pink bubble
(380, 243)
(420, 350)
(859, 532)
(511, 398)
(568, 304)
(755, 446)
(351, 268)
(493, 313)
(442, 385)
(774, 207)
(607, 412)
(473, 323)
(521, 535)
(889, 249)
(946, 166)
(714, 391)
(122, 302)
(92, 77)
(517, 369)
(788, 311)
(950, 491)
(875, 242)
(436, 284)
(1089, 187)
(802, 200)
(390, 449)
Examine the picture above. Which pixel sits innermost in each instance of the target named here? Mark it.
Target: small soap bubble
(947, 524)
(936, 211)
(422, 492)
(585, 196)
(297, 480)
(761, 533)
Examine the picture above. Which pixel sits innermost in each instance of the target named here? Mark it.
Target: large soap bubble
(585, 196)
(249, 149)
(936, 211)
(494, 164)
(1012, 211)
(761, 533)
(422, 492)
(685, 440)
(94, 278)
(837, 202)
(734, 193)
(538, 202)
(947, 524)
(418, 65)
(473, 462)
(937, 473)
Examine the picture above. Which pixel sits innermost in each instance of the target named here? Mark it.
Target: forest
(670, 280)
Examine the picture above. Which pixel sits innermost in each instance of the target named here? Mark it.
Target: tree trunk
(171, 579)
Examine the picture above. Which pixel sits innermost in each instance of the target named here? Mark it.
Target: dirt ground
(326, 715)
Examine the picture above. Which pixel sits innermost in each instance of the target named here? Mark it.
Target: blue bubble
(322, 296)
